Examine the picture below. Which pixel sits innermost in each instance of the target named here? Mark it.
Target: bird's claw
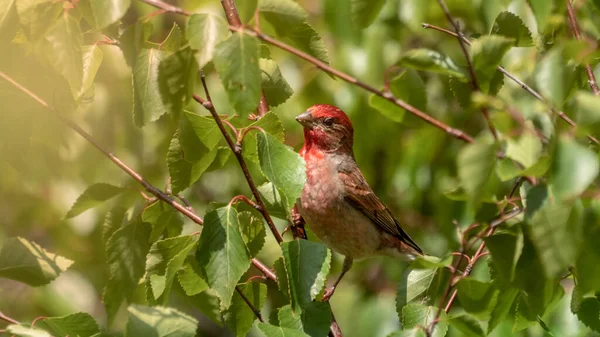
(328, 293)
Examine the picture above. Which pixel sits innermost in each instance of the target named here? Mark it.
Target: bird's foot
(328, 293)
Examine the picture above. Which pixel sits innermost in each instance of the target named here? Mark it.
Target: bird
(336, 202)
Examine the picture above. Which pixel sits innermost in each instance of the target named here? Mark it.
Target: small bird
(337, 203)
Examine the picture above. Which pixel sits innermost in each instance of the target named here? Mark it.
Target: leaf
(173, 41)
(126, 252)
(9, 21)
(275, 331)
(93, 196)
(26, 331)
(542, 9)
(92, 58)
(36, 16)
(554, 78)
(282, 166)
(165, 259)
(314, 319)
(236, 61)
(364, 12)
(276, 88)
(162, 216)
(475, 164)
(589, 313)
(190, 277)
(176, 78)
(253, 232)
(410, 88)
(414, 286)
(223, 154)
(205, 128)
(415, 315)
(466, 324)
(282, 12)
(78, 324)
(222, 254)
(185, 172)
(307, 265)
(588, 278)
(25, 261)
(574, 168)
(204, 32)
(430, 60)
(104, 13)
(273, 201)
(505, 249)
(510, 25)
(586, 108)
(500, 312)
(63, 49)
(239, 317)
(486, 54)
(306, 39)
(148, 105)
(271, 124)
(527, 150)
(476, 297)
(159, 322)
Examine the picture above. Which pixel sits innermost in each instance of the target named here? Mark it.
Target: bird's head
(326, 128)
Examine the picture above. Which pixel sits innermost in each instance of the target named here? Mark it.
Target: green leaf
(468, 325)
(26, 331)
(415, 315)
(62, 47)
(126, 252)
(271, 124)
(92, 58)
(586, 108)
(148, 105)
(476, 297)
(276, 88)
(79, 324)
(239, 317)
(36, 16)
(282, 12)
(177, 75)
(190, 277)
(165, 259)
(173, 41)
(510, 25)
(486, 54)
(204, 32)
(542, 9)
(159, 322)
(205, 128)
(314, 319)
(415, 286)
(500, 312)
(223, 154)
(526, 151)
(430, 60)
(589, 278)
(574, 168)
(282, 166)
(93, 196)
(104, 13)
(410, 88)
(222, 254)
(554, 78)
(25, 261)
(275, 331)
(475, 166)
(185, 172)
(364, 12)
(253, 232)
(273, 200)
(282, 278)
(236, 61)
(9, 21)
(162, 216)
(505, 249)
(589, 313)
(307, 265)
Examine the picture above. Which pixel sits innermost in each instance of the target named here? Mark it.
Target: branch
(237, 151)
(474, 81)
(457, 133)
(522, 84)
(577, 35)
(234, 21)
(8, 319)
(250, 305)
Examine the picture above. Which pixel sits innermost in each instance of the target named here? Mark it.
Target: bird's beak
(306, 119)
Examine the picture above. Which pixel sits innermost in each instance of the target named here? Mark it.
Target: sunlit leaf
(417, 315)
(475, 165)
(276, 88)
(190, 277)
(106, 12)
(271, 124)
(275, 331)
(79, 324)
(93, 196)
(253, 231)
(430, 60)
(574, 168)
(159, 322)
(204, 32)
(148, 105)
(510, 25)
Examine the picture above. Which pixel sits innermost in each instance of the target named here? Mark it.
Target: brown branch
(237, 151)
(457, 133)
(503, 217)
(167, 7)
(250, 305)
(577, 35)
(521, 84)
(474, 82)
(8, 319)
(235, 22)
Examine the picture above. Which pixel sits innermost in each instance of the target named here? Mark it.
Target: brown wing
(360, 195)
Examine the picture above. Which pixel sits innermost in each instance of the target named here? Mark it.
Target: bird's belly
(334, 221)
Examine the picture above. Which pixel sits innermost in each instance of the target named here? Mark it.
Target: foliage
(165, 231)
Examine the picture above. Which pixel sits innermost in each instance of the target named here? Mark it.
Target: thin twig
(167, 7)
(577, 35)
(8, 319)
(457, 133)
(250, 305)
(474, 82)
(521, 84)
(237, 151)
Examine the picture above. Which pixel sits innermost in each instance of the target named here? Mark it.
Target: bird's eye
(328, 121)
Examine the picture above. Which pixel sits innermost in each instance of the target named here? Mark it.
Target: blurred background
(44, 166)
